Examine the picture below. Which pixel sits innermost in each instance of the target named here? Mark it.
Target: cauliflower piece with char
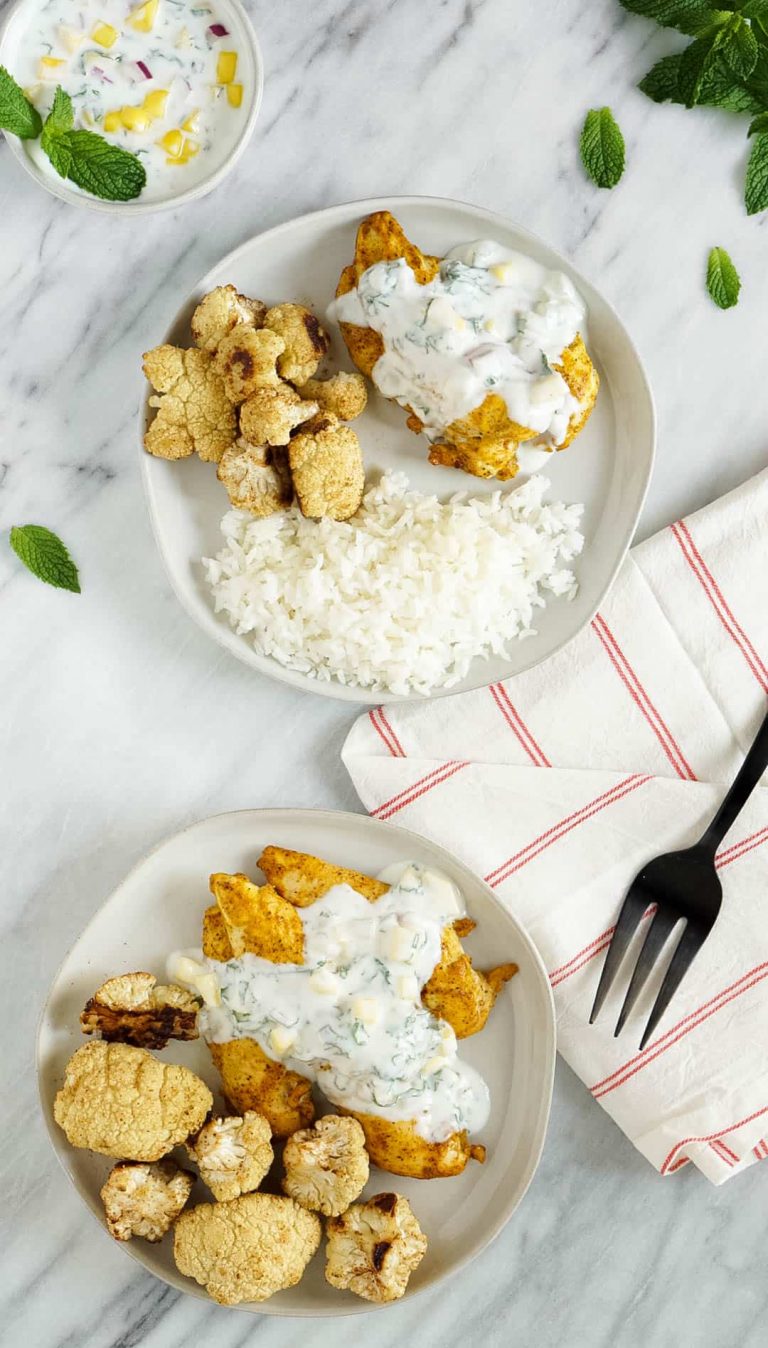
(344, 394)
(194, 413)
(248, 1249)
(326, 1167)
(270, 415)
(257, 477)
(121, 1102)
(306, 341)
(374, 1248)
(145, 1200)
(233, 1155)
(246, 359)
(135, 1009)
(220, 311)
(327, 469)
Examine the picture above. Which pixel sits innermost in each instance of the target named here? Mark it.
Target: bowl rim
(57, 187)
(331, 688)
(548, 1054)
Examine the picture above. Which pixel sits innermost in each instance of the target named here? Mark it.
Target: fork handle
(746, 780)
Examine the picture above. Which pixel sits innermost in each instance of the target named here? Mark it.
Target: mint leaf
(718, 88)
(687, 16)
(602, 147)
(754, 9)
(660, 83)
(17, 114)
(45, 556)
(723, 281)
(695, 63)
(58, 152)
(759, 125)
(756, 185)
(61, 118)
(739, 47)
(106, 171)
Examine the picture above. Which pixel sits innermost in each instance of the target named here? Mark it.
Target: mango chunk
(172, 142)
(154, 103)
(142, 17)
(234, 95)
(226, 67)
(104, 34)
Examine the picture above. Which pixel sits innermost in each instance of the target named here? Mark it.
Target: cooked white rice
(404, 596)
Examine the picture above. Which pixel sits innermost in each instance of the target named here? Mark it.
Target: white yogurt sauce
(491, 321)
(350, 1017)
(117, 83)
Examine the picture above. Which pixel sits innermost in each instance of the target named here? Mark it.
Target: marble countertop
(121, 722)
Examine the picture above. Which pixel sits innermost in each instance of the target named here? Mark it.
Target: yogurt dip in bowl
(178, 83)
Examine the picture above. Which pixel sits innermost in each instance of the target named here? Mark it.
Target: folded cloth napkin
(558, 784)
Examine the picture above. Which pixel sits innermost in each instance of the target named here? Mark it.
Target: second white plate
(608, 467)
(159, 907)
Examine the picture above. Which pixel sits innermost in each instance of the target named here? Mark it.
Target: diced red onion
(144, 70)
(218, 30)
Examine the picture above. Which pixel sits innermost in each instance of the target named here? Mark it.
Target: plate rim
(331, 688)
(547, 1057)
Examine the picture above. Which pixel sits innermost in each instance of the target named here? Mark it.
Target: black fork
(684, 887)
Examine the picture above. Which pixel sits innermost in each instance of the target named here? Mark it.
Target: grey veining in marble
(121, 722)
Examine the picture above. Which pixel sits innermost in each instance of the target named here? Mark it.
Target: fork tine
(632, 910)
(689, 945)
(657, 934)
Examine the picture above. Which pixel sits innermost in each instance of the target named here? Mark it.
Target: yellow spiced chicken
(482, 348)
(410, 984)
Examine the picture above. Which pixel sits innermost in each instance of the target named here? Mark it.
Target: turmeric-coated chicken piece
(396, 1146)
(301, 878)
(250, 1080)
(485, 441)
(460, 994)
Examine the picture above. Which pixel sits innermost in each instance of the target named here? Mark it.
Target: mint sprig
(44, 554)
(85, 158)
(105, 170)
(724, 66)
(17, 114)
(602, 147)
(723, 281)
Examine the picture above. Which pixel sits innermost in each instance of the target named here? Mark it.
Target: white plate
(159, 907)
(608, 467)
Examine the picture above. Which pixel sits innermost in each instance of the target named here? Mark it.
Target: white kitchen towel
(558, 784)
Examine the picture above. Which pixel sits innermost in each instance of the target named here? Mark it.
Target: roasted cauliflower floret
(135, 1009)
(345, 395)
(246, 359)
(374, 1248)
(306, 341)
(257, 478)
(219, 312)
(326, 1167)
(327, 469)
(193, 410)
(145, 1200)
(233, 1155)
(122, 1102)
(270, 415)
(248, 1249)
